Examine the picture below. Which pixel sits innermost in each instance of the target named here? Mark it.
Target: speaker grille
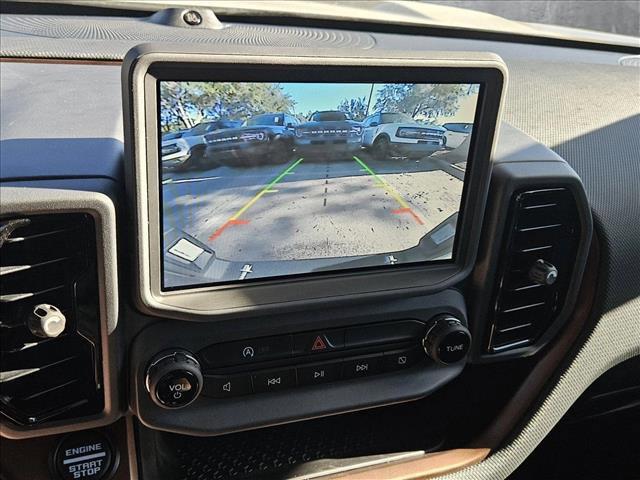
(49, 259)
(543, 225)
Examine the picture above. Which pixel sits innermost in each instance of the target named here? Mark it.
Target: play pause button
(320, 373)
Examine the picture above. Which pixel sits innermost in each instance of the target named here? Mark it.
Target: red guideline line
(410, 212)
(234, 220)
(226, 224)
(381, 182)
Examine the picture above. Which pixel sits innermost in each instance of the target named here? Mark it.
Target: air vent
(543, 232)
(48, 267)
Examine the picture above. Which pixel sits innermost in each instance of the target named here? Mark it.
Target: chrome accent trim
(15, 374)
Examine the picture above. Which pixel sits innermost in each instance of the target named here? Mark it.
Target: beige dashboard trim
(548, 363)
(615, 338)
(427, 466)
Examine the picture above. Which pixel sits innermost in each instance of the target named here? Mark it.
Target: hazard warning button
(318, 342)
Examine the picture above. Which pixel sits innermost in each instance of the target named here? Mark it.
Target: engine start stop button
(84, 455)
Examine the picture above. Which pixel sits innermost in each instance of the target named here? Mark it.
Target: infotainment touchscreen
(264, 180)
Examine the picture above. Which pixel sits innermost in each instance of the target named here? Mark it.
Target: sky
(326, 96)
(311, 97)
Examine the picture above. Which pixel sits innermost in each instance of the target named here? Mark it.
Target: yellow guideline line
(382, 183)
(268, 189)
(264, 190)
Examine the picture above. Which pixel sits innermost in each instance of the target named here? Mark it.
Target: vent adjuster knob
(46, 321)
(543, 273)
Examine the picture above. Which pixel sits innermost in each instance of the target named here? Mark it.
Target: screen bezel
(144, 73)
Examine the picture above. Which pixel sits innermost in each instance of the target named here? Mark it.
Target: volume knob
(174, 379)
(447, 340)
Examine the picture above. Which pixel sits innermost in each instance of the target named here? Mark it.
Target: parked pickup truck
(328, 134)
(266, 138)
(456, 133)
(398, 135)
(185, 151)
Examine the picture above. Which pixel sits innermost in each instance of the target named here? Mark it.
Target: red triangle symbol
(319, 344)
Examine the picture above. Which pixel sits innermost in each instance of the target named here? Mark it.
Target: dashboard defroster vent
(533, 278)
(49, 319)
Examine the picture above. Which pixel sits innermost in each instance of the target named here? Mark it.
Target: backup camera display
(263, 180)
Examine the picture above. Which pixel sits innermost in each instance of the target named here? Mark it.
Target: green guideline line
(279, 177)
(265, 189)
(366, 167)
(384, 184)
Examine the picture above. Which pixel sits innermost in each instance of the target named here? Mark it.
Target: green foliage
(429, 100)
(355, 108)
(185, 104)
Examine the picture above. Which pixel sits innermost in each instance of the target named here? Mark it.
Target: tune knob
(543, 273)
(447, 340)
(174, 379)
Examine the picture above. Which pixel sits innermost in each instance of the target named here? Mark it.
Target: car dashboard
(176, 307)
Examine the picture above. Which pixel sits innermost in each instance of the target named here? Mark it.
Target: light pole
(370, 97)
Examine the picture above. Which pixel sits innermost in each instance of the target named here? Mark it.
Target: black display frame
(145, 66)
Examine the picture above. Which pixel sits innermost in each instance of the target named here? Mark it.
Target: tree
(393, 97)
(424, 100)
(355, 108)
(174, 98)
(185, 104)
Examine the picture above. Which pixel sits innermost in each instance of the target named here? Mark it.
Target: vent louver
(543, 225)
(49, 259)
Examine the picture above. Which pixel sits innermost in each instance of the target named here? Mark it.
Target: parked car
(456, 133)
(266, 138)
(389, 134)
(187, 151)
(211, 126)
(328, 134)
(174, 135)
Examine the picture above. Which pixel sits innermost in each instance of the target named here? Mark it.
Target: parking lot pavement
(304, 209)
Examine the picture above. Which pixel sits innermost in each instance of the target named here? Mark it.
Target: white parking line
(188, 180)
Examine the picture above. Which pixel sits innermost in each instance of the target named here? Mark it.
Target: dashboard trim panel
(24, 200)
(208, 416)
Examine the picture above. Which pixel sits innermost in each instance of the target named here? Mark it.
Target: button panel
(362, 366)
(310, 358)
(246, 351)
(402, 359)
(274, 380)
(319, 373)
(401, 331)
(318, 342)
(225, 386)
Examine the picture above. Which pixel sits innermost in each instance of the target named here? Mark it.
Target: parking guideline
(234, 219)
(405, 208)
(266, 189)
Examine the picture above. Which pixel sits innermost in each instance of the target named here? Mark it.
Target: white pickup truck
(185, 150)
(456, 133)
(398, 135)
